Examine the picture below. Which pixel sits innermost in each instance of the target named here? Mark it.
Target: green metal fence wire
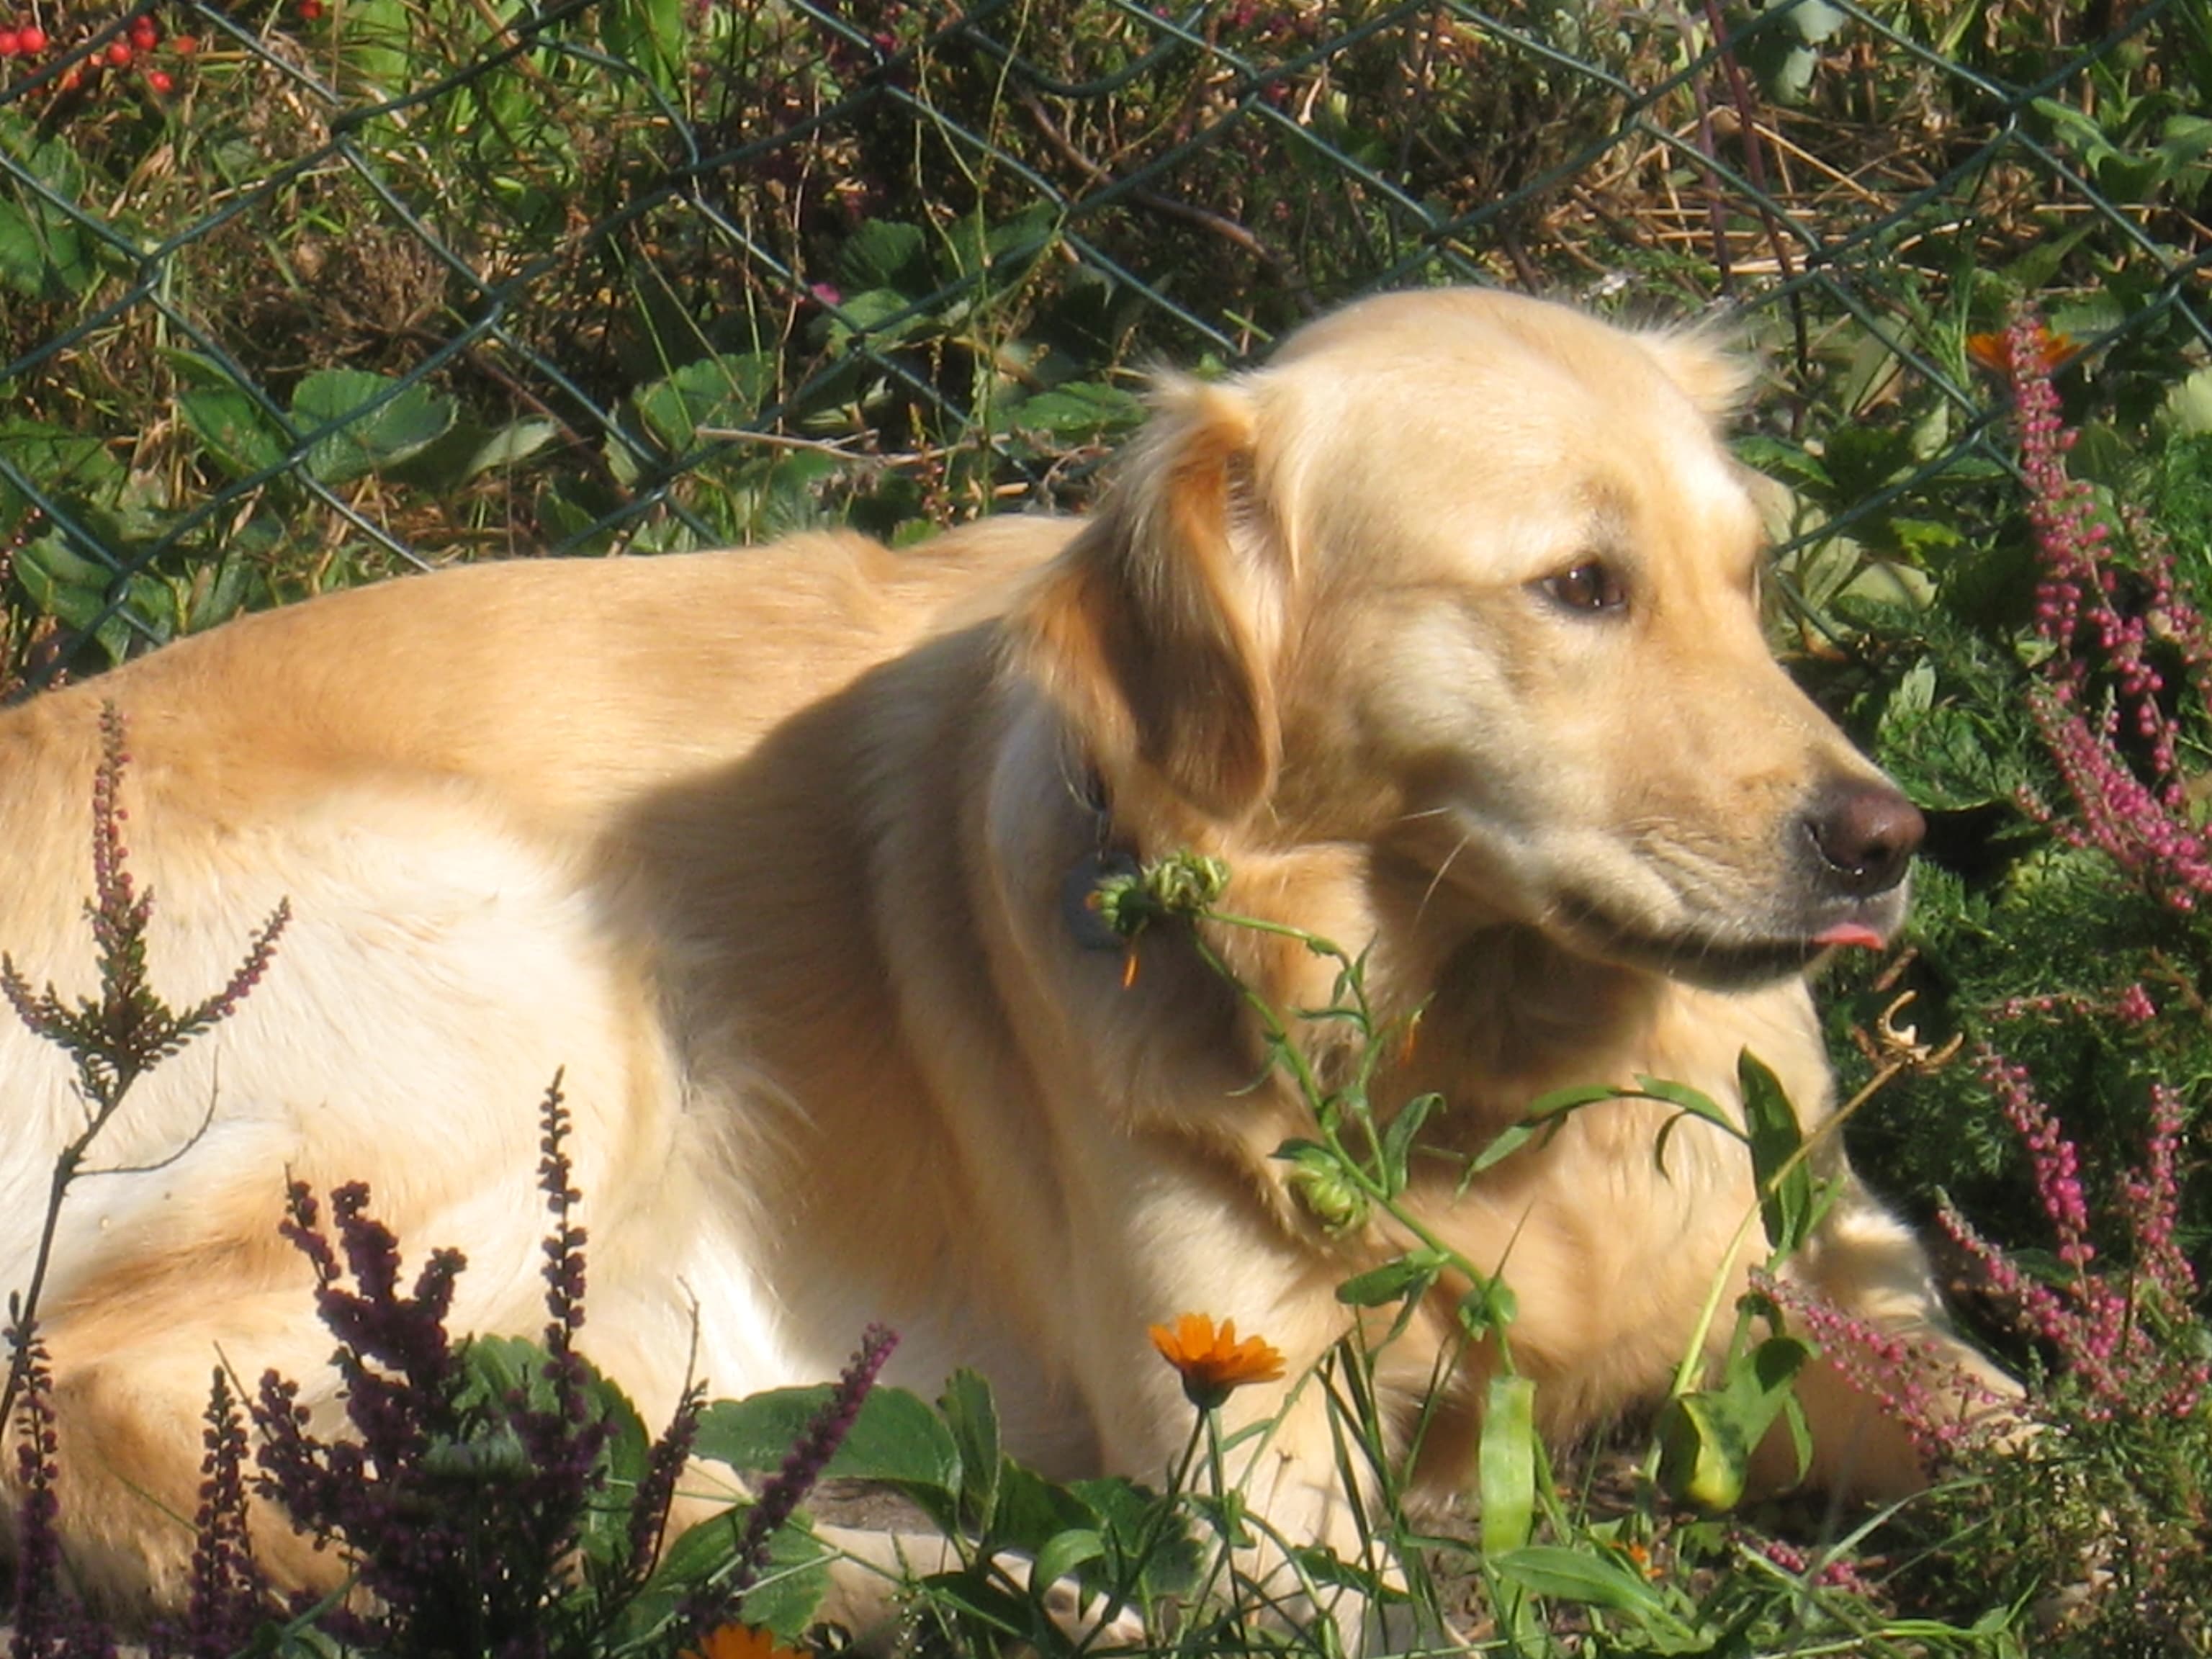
(293, 295)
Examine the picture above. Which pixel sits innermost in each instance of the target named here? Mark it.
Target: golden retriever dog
(1442, 630)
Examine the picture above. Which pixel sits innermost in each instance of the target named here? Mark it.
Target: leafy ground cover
(301, 295)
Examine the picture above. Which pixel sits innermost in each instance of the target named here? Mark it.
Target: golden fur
(768, 851)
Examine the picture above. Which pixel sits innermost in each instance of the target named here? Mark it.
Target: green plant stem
(1374, 1190)
(23, 1311)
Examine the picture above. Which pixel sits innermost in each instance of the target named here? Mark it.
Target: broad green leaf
(241, 437)
(1785, 1188)
(1507, 1464)
(1079, 408)
(1063, 1553)
(371, 436)
(886, 253)
(44, 253)
(1707, 1439)
(895, 1438)
(2189, 404)
(972, 1420)
(511, 445)
(61, 583)
(1031, 1510)
(1704, 1459)
(716, 393)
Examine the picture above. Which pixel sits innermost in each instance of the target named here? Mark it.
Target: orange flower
(1213, 1363)
(1993, 351)
(741, 1642)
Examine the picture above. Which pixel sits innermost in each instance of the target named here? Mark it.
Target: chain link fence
(296, 296)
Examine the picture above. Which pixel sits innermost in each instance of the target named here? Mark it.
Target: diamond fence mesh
(295, 295)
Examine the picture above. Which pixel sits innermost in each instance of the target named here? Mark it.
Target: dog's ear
(1706, 372)
(1154, 628)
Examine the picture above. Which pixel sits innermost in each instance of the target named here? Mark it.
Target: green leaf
(792, 1587)
(895, 1438)
(1707, 1439)
(975, 1594)
(1507, 1464)
(1786, 1207)
(1590, 1577)
(1132, 1522)
(886, 253)
(648, 34)
(1063, 1553)
(1393, 1281)
(510, 446)
(371, 436)
(44, 253)
(1079, 408)
(1703, 1460)
(786, 1597)
(242, 439)
(716, 392)
(2188, 404)
(972, 1418)
(1398, 1139)
(1545, 1116)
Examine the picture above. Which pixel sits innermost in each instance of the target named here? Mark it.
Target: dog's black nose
(1865, 833)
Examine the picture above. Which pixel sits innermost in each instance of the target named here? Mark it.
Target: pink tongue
(1850, 933)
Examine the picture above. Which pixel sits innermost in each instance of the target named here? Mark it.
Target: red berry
(144, 33)
(11, 42)
(184, 45)
(32, 40)
(310, 10)
(118, 53)
(159, 84)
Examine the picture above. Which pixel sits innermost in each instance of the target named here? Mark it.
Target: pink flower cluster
(2106, 1328)
(2101, 684)
(1834, 1573)
(1941, 1407)
(2133, 1006)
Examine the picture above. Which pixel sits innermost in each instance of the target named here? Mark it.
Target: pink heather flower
(2105, 1328)
(1941, 1407)
(2136, 1007)
(1834, 1573)
(2101, 683)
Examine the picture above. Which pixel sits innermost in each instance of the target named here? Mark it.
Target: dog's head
(1468, 581)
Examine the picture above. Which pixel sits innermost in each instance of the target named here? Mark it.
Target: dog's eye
(1591, 586)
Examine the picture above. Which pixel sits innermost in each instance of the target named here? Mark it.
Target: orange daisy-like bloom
(1214, 1362)
(741, 1642)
